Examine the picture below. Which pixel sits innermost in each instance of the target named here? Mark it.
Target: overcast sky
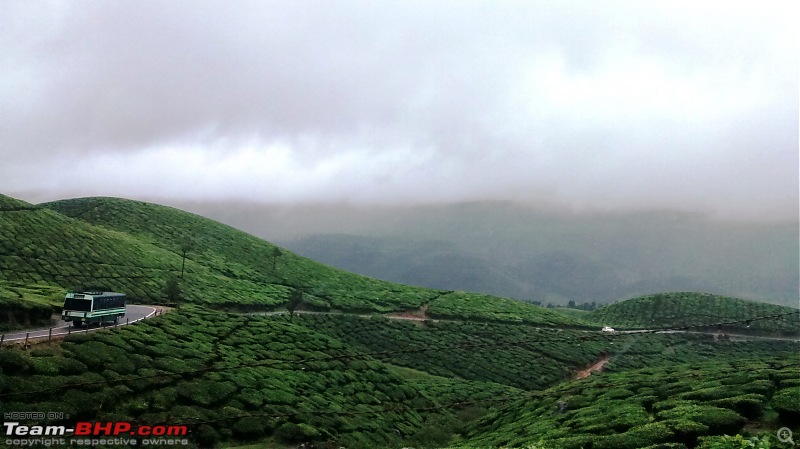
(590, 104)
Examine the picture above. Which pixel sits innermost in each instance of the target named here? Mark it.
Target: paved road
(637, 331)
(133, 313)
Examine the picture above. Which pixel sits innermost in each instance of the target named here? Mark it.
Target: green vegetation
(28, 305)
(517, 356)
(248, 267)
(375, 382)
(137, 247)
(243, 377)
(787, 401)
(687, 309)
(667, 404)
(473, 371)
(469, 306)
(40, 247)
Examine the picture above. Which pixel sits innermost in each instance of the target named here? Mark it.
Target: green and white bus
(93, 307)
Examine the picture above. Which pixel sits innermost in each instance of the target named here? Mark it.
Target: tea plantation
(229, 377)
(690, 309)
(473, 371)
(256, 273)
(664, 406)
(136, 247)
(373, 382)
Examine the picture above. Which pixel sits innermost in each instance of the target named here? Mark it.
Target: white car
(607, 329)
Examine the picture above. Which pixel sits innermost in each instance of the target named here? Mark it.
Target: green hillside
(371, 382)
(41, 246)
(228, 377)
(253, 274)
(135, 247)
(43, 253)
(360, 382)
(473, 371)
(691, 309)
(680, 405)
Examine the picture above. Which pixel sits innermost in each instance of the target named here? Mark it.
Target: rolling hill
(472, 370)
(674, 406)
(688, 309)
(136, 247)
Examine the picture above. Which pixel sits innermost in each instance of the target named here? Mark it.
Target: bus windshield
(83, 305)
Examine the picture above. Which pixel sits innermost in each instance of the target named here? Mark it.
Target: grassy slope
(665, 404)
(42, 253)
(230, 268)
(244, 378)
(697, 309)
(222, 254)
(232, 366)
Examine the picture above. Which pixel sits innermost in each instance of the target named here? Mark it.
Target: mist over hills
(136, 247)
(462, 372)
(534, 253)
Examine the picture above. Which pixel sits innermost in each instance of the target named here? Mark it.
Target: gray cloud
(591, 104)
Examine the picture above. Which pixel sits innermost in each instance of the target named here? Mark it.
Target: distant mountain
(425, 263)
(533, 255)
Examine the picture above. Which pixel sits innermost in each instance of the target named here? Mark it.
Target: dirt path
(597, 367)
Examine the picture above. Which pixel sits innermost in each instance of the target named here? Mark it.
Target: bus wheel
(116, 319)
(76, 323)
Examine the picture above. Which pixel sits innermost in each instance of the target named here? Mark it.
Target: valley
(380, 364)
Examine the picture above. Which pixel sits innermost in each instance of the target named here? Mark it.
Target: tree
(276, 252)
(172, 290)
(186, 246)
(295, 299)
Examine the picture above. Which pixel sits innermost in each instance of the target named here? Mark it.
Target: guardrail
(68, 330)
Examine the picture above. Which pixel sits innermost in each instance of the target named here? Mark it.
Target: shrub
(734, 442)
(296, 433)
(205, 436)
(15, 361)
(249, 427)
(787, 403)
(719, 420)
(655, 432)
(750, 406)
(686, 430)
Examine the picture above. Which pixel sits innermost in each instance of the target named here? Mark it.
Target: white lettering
(10, 427)
(13, 428)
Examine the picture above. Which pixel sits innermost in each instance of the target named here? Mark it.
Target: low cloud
(611, 105)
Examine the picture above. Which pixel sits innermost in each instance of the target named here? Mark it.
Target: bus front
(77, 308)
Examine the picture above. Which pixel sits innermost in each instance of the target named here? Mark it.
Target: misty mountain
(534, 253)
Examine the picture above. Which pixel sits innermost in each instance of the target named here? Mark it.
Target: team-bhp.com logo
(112, 433)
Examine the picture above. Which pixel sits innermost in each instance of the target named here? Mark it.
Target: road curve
(133, 313)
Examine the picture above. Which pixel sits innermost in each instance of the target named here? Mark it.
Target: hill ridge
(136, 247)
(352, 381)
